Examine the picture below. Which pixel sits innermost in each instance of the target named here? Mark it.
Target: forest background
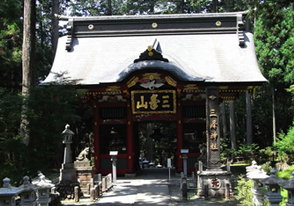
(47, 109)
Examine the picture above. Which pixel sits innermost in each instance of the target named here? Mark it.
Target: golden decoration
(91, 27)
(223, 87)
(132, 81)
(212, 97)
(113, 89)
(213, 124)
(218, 23)
(213, 113)
(144, 104)
(151, 76)
(170, 81)
(190, 87)
(154, 25)
(213, 135)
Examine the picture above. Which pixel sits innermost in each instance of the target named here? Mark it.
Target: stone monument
(214, 179)
(84, 171)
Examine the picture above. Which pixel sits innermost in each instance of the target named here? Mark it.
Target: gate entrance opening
(157, 142)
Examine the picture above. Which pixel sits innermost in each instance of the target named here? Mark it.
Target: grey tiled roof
(202, 55)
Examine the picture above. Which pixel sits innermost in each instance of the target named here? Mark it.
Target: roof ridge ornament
(70, 32)
(240, 31)
(152, 54)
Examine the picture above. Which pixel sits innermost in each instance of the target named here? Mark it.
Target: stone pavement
(150, 187)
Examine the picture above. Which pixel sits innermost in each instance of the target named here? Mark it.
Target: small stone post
(113, 155)
(8, 193)
(76, 193)
(289, 186)
(44, 187)
(257, 176)
(273, 189)
(184, 189)
(185, 158)
(28, 194)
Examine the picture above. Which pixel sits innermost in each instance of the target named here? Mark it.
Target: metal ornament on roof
(152, 54)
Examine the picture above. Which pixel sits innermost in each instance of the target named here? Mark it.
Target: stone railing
(101, 185)
(269, 187)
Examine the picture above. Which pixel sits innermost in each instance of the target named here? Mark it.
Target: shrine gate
(175, 69)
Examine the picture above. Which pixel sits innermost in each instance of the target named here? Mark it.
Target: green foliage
(284, 145)
(267, 167)
(10, 44)
(51, 107)
(245, 194)
(286, 175)
(248, 152)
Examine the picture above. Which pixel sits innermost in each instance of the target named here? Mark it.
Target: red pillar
(130, 149)
(96, 139)
(179, 138)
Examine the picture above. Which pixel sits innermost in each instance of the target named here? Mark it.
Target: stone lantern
(28, 193)
(68, 176)
(44, 186)
(257, 176)
(273, 189)
(289, 186)
(67, 140)
(67, 172)
(8, 193)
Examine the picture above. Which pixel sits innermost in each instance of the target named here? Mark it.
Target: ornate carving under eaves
(112, 98)
(69, 39)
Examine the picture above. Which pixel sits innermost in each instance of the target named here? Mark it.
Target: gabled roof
(198, 47)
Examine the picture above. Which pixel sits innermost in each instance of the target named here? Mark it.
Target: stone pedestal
(216, 180)
(85, 174)
(68, 173)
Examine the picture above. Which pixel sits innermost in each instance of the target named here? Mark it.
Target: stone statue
(83, 154)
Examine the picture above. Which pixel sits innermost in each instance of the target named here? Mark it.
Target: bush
(284, 146)
(245, 194)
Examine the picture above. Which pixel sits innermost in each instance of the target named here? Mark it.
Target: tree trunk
(54, 34)
(228, 9)
(109, 6)
(215, 6)
(28, 62)
(233, 125)
(274, 115)
(249, 118)
(223, 109)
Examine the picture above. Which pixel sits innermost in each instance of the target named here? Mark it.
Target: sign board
(153, 101)
(169, 162)
(184, 151)
(113, 153)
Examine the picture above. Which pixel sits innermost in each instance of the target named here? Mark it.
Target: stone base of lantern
(66, 189)
(67, 181)
(68, 173)
(217, 181)
(85, 174)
